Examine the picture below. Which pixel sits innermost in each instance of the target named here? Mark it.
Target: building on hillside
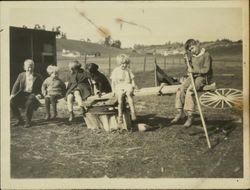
(38, 45)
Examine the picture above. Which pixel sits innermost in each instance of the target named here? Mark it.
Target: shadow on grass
(59, 122)
(153, 121)
(215, 128)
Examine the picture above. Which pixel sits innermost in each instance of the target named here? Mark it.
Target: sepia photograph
(124, 94)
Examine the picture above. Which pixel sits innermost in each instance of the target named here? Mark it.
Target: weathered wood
(171, 89)
(107, 122)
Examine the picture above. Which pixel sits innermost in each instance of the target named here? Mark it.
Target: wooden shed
(38, 45)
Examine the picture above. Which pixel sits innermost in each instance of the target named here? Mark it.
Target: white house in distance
(68, 53)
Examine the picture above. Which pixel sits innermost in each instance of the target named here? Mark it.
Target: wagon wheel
(222, 98)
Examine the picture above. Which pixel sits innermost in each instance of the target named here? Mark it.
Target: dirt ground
(57, 149)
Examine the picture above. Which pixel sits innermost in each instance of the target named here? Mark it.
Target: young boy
(123, 85)
(53, 88)
(201, 69)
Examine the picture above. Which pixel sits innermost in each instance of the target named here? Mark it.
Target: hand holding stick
(197, 100)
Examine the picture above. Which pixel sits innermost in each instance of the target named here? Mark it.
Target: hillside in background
(88, 47)
(218, 48)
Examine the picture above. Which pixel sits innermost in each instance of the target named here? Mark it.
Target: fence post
(109, 65)
(165, 62)
(144, 64)
(85, 58)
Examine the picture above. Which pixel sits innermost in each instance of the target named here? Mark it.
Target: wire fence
(138, 64)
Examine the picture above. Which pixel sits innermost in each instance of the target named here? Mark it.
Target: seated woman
(78, 87)
(98, 79)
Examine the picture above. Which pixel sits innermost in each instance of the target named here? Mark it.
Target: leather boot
(19, 122)
(189, 121)
(177, 117)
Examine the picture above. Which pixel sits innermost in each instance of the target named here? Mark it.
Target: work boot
(19, 122)
(71, 116)
(189, 121)
(177, 117)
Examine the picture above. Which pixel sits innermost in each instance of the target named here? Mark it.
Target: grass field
(57, 149)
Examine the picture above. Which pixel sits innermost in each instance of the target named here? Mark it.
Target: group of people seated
(30, 87)
(83, 82)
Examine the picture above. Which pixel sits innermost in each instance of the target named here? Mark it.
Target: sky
(167, 21)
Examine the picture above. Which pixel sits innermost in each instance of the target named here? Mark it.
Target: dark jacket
(19, 85)
(102, 83)
(79, 81)
(19, 88)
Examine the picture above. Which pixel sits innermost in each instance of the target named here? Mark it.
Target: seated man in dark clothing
(25, 93)
(99, 80)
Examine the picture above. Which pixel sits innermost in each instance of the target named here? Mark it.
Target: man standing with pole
(199, 65)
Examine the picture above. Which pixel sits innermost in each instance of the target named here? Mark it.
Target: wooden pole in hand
(198, 103)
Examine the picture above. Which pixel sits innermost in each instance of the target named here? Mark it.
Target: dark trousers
(24, 100)
(53, 101)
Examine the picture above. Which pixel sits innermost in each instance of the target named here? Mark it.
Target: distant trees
(116, 44)
(112, 43)
(63, 35)
(107, 41)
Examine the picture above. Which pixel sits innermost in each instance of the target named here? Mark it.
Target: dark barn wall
(38, 45)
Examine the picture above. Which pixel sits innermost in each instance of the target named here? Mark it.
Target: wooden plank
(171, 89)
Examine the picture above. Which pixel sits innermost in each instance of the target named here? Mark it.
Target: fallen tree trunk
(171, 89)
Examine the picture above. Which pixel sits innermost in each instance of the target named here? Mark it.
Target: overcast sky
(168, 21)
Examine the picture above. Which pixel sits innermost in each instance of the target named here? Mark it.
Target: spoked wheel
(222, 98)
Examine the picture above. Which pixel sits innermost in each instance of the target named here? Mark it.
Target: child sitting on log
(78, 87)
(123, 85)
(53, 88)
(99, 81)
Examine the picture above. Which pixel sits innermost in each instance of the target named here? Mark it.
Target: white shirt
(120, 75)
(29, 82)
